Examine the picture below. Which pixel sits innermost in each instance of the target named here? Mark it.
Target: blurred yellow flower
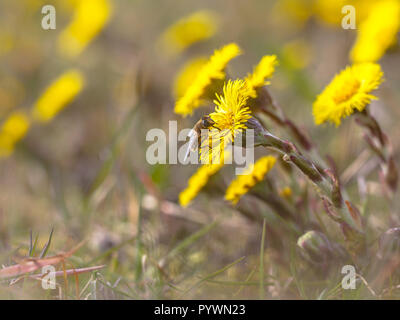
(199, 180)
(254, 174)
(213, 69)
(364, 8)
(89, 19)
(377, 32)
(297, 54)
(348, 91)
(187, 75)
(330, 11)
(230, 117)
(261, 73)
(67, 5)
(13, 129)
(298, 11)
(286, 192)
(196, 27)
(7, 42)
(62, 91)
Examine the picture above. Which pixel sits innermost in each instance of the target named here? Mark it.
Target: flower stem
(326, 189)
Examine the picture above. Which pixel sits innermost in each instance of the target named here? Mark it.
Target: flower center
(347, 90)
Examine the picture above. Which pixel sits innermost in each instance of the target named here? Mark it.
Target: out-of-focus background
(82, 170)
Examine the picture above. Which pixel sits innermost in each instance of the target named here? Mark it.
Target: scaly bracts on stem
(328, 189)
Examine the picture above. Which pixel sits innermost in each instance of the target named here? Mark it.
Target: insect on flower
(195, 134)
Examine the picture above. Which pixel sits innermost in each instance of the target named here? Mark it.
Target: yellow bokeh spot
(62, 91)
(297, 54)
(286, 193)
(89, 19)
(196, 27)
(13, 129)
(377, 32)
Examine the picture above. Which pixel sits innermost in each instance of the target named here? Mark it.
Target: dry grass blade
(31, 264)
(70, 272)
(60, 273)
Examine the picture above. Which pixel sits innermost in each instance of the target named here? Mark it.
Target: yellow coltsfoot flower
(213, 69)
(231, 111)
(349, 91)
(186, 76)
(243, 183)
(230, 117)
(264, 70)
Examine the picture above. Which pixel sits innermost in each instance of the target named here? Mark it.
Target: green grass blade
(47, 245)
(239, 283)
(190, 240)
(212, 275)
(293, 271)
(108, 252)
(261, 288)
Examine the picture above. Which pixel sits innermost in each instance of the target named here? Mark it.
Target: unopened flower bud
(307, 167)
(354, 233)
(336, 192)
(262, 101)
(262, 137)
(315, 248)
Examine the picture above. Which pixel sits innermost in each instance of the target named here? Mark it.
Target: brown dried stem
(380, 144)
